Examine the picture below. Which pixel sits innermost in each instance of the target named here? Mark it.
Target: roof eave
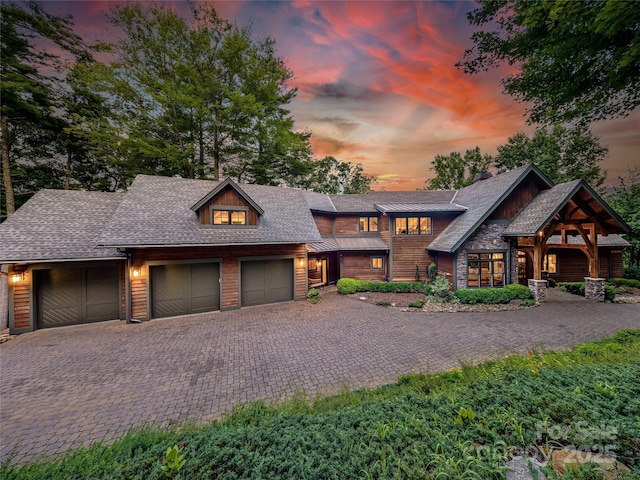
(219, 188)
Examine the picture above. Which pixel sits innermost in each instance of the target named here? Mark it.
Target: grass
(459, 424)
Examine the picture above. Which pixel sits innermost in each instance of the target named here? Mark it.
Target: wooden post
(538, 257)
(593, 259)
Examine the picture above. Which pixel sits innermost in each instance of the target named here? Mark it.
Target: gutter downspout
(127, 289)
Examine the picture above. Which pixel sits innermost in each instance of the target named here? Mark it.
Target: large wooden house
(171, 246)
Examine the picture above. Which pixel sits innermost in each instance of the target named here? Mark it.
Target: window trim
(230, 210)
(369, 217)
(406, 219)
(376, 257)
(545, 263)
(490, 261)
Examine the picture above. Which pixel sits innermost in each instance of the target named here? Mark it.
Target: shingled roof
(366, 203)
(481, 199)
(156, 211)
(58, 225)
(541, 209)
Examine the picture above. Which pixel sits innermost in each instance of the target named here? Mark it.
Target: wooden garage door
(266, 281)
(180, 289)
(68, 296)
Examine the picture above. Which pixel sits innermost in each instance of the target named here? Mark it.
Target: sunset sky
(378, 84)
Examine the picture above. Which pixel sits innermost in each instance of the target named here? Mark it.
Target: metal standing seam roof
(541, 209)
(419, 207)
(156, 211)
(480, 198)
(332, 244)
(59, 225)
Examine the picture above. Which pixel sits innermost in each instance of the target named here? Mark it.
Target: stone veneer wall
(488, 237)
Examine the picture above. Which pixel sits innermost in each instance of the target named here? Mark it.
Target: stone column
(594, 289)
(538, 289)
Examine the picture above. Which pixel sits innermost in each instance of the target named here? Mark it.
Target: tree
(454, 171)
(626, 201)
(562, 153)
(335, 177)
(576, 61)
(29, 96)
(197, 98)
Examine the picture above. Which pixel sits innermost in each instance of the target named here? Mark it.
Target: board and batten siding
(228, 198)
(515, 201)
(21, 302)
(617, 268)
(230, 273)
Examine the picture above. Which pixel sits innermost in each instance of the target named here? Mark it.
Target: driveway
(70, 386)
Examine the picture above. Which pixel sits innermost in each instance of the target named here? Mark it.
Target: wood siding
(230, 274)
(383, 226)
(616, 264)
(228, 198)
(445, 262)
(347, 225)
(409, 249)
(573, 265)
(324, 223)
(358, 265)
(520, 197)
(21, 302)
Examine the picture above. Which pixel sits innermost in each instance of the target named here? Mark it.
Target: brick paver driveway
(64, 387)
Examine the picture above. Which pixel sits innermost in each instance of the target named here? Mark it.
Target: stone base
(538, 289)
(594, 289)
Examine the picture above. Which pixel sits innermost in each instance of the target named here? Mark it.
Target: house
(171, 246)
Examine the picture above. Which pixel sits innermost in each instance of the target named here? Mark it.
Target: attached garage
(181, 289)
(69, 296)
(266, 281)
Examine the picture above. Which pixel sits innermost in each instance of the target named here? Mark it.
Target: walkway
(69, 386)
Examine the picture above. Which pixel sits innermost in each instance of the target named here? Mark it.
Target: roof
(318, 201)
(330, 244)
(366, 202)
(58, 225)
(541, 209)
(612, 240)
(419, 207)
(481, 199)
(156, 211)
(220, 188)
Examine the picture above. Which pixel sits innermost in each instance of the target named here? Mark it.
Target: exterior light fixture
(301, 262)
(136, 272)
(17, 277)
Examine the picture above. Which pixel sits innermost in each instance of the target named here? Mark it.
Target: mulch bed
(401, 301)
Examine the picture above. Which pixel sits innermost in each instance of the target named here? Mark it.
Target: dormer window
(228, 217)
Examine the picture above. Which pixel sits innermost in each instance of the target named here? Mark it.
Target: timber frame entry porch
(571, 214)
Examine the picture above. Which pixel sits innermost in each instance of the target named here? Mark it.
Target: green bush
(577, 288)
(632, 272)
(417, 303)
(518, 291)
(346, 286)
(428, 290)
(441, 287)
(552, 283)
(313, 292)
(624, 282)
(493, 296)
(609, 293)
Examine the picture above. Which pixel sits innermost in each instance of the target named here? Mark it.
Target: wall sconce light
(301, 262)
(136, 272)
(17, 277)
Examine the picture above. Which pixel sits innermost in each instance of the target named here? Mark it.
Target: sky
(377, 82)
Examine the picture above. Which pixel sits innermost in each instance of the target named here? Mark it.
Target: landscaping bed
(401, 301)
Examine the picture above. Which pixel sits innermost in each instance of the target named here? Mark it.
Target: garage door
(68, 296)
(266, 281)
(180, 289)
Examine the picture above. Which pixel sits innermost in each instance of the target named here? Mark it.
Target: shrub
(428, 290)
(383, 303)
(518, 291)
(552, 283)
(609, 293)
(417, 303)
(624, 282)
(313, 292)
(346, 286)
(577, 288)
(431, 273)
(441, 287)
(632, 272)
(493, 296)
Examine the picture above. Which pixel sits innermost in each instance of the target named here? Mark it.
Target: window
(229, 217)
(551, 262)
(368, 224)
(485, 269)
(377, 263)
(413, 226)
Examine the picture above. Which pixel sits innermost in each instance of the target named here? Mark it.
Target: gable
(521, 195)
(230, 200)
